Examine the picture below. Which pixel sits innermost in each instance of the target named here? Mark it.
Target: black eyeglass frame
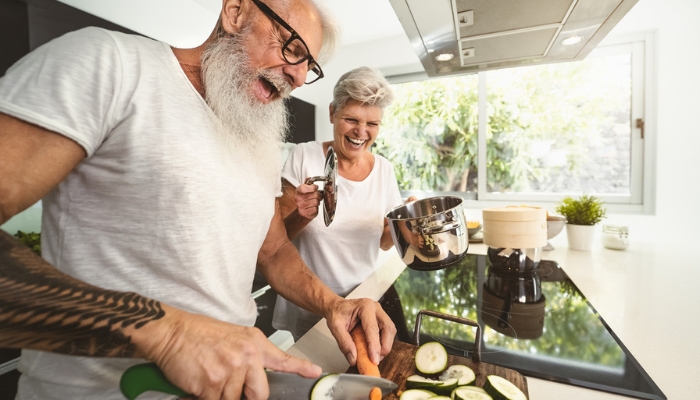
(294, 35)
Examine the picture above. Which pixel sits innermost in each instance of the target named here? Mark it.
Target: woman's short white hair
(365, 85)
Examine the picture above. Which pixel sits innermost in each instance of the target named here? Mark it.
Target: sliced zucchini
(469, 393)
(419, 382)
(447, 386)
(472, 388)
(431, 358)
(438, 386)
(464, 374)
(323, 389)
(502, 389)
(415, 394)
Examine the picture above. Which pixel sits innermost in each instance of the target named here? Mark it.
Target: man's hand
(216, 360)
(307, 199)
(380, 331)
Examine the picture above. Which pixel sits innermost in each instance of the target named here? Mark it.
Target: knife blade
(283, 386)
(347, 387)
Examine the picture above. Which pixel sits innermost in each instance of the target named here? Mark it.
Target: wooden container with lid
(515, 227)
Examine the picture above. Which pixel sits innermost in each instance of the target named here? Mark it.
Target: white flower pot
(580, 236)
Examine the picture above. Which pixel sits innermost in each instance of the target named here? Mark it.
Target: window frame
(642, 199)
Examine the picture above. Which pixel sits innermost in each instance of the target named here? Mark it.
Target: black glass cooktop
(537, 323)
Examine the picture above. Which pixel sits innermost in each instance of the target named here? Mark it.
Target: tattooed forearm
(44, 309)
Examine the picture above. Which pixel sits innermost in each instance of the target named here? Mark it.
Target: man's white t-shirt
(157, 207)
(344, 253)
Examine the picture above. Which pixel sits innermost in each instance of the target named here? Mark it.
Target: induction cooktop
(537, 323)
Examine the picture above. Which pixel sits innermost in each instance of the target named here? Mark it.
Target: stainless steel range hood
(489, 34)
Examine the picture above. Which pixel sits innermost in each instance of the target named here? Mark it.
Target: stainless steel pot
(429, 233)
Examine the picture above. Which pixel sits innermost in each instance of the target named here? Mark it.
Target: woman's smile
(355, 143)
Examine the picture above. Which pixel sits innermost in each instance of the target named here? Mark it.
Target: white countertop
(647, 295)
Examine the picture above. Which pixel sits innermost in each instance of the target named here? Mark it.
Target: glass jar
(615, 237)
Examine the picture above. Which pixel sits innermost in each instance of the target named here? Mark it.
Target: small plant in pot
(582, 215)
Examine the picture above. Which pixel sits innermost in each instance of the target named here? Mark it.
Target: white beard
(247, 125)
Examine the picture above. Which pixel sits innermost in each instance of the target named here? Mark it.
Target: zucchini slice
(431, 358)
(470, 393)
(437, 386)
(447, 386)
(415, 394)
(502, 389)
(472, 388)
(464, 374)
(419, 382)
(323, 389)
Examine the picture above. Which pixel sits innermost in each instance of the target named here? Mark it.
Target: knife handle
(141, 378)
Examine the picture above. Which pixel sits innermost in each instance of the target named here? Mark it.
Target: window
(527, 134)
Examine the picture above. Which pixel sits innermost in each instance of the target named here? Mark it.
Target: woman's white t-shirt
(345, 253)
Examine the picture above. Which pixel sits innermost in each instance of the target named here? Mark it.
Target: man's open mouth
(267, 90)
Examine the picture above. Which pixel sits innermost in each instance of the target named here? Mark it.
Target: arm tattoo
(42, 308)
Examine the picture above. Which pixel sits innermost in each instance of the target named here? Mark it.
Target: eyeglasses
(295, 51)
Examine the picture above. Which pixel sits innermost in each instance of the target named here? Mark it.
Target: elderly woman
(344, 253)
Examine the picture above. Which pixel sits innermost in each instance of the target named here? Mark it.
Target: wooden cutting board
(400, 364)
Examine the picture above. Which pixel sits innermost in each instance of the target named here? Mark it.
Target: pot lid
(330, 188)
(330, 185)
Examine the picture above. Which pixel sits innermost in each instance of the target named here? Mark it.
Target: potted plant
(582, 215)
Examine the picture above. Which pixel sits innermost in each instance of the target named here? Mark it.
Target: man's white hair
(329, 26)
(365, 85)
(331, 32)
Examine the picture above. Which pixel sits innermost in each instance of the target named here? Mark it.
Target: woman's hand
(307, 199)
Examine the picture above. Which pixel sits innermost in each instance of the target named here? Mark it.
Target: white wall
(677, 134)
(677, 88)
(180, 23)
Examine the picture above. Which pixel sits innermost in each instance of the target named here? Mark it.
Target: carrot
(375, 394)
(364, 364)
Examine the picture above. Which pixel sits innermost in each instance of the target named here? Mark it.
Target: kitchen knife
(283, 386)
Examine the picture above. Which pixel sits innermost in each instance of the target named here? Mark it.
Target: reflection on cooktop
(537, 323)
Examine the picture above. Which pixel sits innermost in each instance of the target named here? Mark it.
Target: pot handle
(315, 179)
(430, 230)
(476, 355)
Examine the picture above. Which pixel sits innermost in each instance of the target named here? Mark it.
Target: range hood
(490, 34)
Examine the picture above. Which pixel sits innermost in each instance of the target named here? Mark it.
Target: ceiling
(187, 23)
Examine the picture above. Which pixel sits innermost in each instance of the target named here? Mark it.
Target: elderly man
(159, 169)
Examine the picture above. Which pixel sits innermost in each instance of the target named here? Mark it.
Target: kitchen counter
(645, 294)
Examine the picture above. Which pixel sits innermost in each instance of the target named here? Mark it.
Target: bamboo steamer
(515, 227)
